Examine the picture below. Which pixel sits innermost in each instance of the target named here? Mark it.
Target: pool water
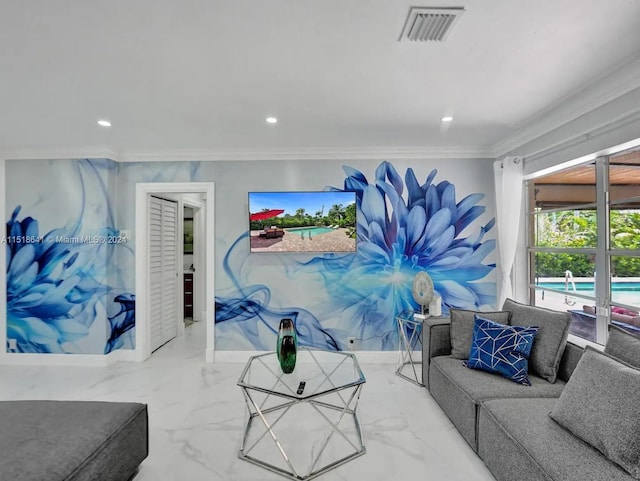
(310, 230)
(589, 286)
(621, 292)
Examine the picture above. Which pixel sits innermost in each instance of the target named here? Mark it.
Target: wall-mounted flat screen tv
(323, 221)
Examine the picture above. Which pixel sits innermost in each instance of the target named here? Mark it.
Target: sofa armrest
(436, 341)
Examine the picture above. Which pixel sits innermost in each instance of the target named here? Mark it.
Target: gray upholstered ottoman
(72, 440)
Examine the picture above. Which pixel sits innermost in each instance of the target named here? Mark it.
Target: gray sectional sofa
(72, 440)
(573, 423)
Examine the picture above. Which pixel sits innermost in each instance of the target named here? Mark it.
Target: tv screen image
(323, 221)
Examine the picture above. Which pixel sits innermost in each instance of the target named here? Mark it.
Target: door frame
(143, 190)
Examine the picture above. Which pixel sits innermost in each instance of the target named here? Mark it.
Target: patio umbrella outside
(267, 214)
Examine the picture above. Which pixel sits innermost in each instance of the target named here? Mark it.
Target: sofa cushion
(597, 405)
(623, 345)
(462, 329)
(72, 440)
(501, 349)
(551, 339)
(518, 440)
(458, 390)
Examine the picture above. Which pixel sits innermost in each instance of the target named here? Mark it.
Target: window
(624, 239)
(584, 243)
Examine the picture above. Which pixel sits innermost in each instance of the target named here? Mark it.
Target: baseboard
(128, 355)
(368, 357)
(25, 359)
(90, 360)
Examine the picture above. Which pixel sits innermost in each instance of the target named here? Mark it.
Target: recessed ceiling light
(447, 119)
(272, 120)
(104, 123)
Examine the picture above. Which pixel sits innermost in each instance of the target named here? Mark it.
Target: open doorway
(188, 266)
(199, 197)
(193, 249)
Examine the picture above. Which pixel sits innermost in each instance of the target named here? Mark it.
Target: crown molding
(375, 153)
(559, 149)
(60, 154)
(309, 154)
(595, 94)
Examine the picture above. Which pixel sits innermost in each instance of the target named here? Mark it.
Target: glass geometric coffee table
(302, 430)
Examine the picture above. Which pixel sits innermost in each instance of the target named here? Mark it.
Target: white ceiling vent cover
(430, 24)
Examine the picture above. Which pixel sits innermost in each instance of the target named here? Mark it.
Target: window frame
(602, 250)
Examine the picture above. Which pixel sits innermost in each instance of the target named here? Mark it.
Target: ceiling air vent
(430, 24)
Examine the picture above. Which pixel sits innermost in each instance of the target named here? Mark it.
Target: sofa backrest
(570, 357)
(437, 342)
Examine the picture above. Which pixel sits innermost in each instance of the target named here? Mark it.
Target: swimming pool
(306, 231)
(627, 293)
(589, 286)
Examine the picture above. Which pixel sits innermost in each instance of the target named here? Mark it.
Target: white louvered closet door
(163, 273)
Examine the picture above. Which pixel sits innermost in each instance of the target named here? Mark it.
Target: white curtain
(508, 174)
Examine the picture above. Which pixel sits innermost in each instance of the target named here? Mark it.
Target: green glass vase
(287, 346)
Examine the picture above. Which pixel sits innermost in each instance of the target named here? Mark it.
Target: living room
(410, 126)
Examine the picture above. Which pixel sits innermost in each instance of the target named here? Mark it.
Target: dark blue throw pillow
(501, 349)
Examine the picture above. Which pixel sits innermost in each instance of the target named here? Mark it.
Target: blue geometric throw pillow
(501, 349)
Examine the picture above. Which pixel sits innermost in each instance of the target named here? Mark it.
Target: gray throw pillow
(462, 329)
(623, 345)
(551, 339)
(598, 405)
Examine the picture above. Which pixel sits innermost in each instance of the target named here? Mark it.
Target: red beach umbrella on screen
(267, 214)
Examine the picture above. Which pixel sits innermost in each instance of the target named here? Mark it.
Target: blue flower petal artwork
(403, 227)
(76, 297)
(58, 294)
(121, 322)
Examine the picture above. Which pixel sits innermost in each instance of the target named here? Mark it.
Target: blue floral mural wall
(404, 226)
(68, 293)
(64, 289)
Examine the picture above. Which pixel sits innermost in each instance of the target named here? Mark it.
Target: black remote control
(301, 387)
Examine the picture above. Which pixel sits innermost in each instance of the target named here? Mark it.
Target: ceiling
(196, 79)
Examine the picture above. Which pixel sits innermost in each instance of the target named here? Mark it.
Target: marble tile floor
(197, 416)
